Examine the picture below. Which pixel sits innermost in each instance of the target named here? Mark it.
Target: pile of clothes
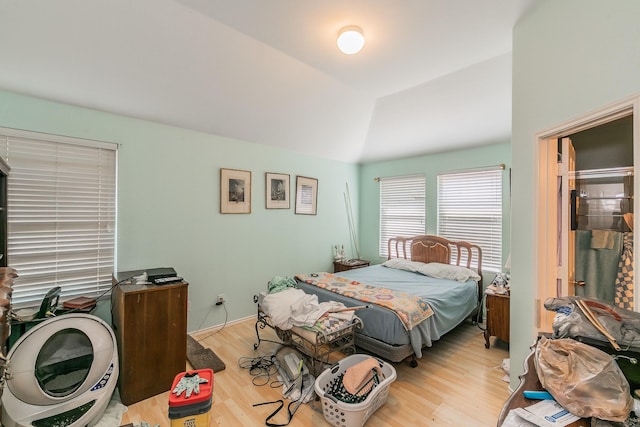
(287, 306)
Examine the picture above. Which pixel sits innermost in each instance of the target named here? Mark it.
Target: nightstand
(497, 307)
(349, 264)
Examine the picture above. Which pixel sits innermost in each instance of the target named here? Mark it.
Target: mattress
(451, 302)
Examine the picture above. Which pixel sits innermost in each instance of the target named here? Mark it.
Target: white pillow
(403, 264)
(448, 271)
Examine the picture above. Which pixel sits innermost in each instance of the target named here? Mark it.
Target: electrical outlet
(220, 299)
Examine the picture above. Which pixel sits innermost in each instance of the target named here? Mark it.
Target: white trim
(49, 137)
(217, 328)
(385, 178)
(546, 186)
(501, 166)
(592, 119)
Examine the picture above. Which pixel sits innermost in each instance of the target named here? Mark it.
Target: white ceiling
(434, 75)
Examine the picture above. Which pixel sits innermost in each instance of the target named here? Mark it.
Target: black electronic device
(166, 280)
(159, 273)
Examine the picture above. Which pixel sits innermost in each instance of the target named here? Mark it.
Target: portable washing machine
(62, 372)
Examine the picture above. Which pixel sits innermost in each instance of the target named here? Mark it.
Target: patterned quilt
(410, 309)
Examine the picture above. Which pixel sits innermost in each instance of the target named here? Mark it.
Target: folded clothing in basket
(343, 409)
(358, 379)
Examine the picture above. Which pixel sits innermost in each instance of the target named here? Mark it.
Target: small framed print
(235, 191)
(306, 195)
(277, 191)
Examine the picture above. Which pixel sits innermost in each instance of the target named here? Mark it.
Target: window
(401, 208)
(61, 214)
(470, 209)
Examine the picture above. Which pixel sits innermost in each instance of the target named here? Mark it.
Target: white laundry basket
(342, 414)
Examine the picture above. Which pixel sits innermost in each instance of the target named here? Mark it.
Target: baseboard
(215, 328)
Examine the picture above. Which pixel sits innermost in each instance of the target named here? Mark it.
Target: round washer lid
(60, 358)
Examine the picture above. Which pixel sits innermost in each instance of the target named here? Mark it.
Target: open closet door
(567, 221)
(556, 255)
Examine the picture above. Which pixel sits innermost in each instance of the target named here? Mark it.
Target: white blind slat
(470, 209)
(61, 214)
(402, 208)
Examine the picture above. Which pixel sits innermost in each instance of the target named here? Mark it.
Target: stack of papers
(546, 413)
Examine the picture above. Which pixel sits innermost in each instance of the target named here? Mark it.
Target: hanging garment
(624, 279)
(597, 267)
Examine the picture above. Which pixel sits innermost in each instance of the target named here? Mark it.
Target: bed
(451, 297)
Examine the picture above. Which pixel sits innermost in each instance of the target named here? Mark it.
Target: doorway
(582, 196)
(602, 212)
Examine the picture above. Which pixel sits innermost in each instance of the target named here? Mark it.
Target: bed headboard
(428, 248)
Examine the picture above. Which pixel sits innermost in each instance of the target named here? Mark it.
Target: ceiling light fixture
(350, 40)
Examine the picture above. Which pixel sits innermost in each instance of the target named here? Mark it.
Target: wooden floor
(457, 382)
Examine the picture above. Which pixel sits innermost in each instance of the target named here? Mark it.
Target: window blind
(402, 210)
(61, 214)
(470, 209)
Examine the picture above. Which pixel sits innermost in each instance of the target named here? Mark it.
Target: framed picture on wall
(235, 191)
(277, 191)
(306, 195)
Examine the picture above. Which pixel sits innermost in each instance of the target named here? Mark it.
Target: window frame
(62, 212)
(402, 208)
(470, 212)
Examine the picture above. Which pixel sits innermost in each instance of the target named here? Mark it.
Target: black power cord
(226, 318)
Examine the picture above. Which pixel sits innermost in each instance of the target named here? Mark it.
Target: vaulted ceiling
(434, 75)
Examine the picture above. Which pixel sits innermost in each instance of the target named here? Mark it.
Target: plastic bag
(584, 380)
(570, 322)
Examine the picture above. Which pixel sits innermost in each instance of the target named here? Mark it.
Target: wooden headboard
(437, 249)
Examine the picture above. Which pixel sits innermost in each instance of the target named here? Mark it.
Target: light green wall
(570, 57)
(430, 165)
(168, 204)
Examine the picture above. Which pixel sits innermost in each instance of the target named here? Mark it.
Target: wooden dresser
(150, 324)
